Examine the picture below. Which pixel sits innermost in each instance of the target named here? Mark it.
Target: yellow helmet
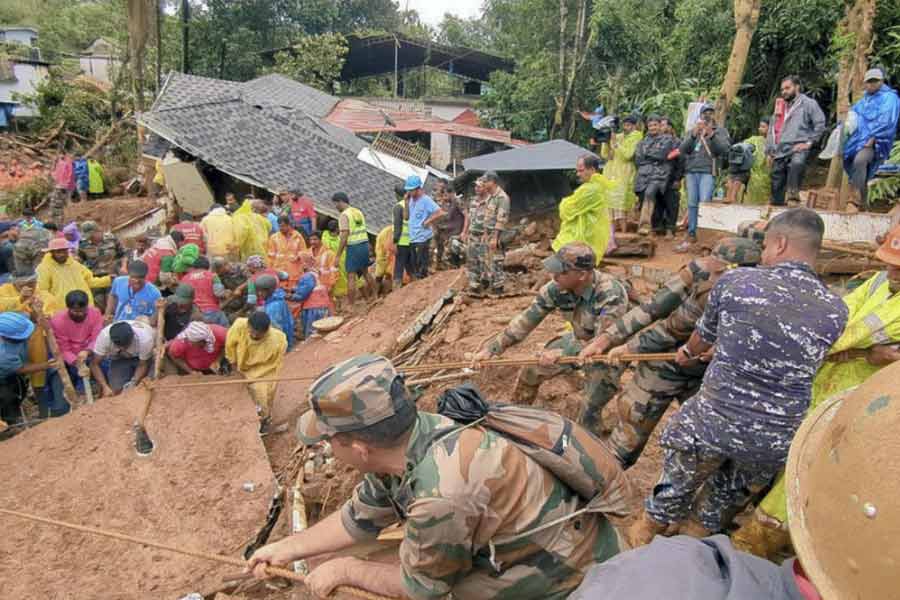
(843, 485)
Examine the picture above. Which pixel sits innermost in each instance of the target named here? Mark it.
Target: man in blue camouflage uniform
(772, 328)
(675, 308)
(588, 300)
(481, 518)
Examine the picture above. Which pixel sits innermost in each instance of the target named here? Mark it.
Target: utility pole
(159, 22)
(185, 36)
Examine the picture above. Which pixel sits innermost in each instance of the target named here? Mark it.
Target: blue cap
(15, 326)
(413, 182)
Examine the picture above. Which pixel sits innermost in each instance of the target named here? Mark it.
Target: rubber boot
(524, 393)
(693, 528)
(764, 541)
(644, 530)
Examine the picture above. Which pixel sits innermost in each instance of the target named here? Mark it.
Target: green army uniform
(673, 312)
(588, 314)
(470, 500)
(58, 205)
(486, 217)
(28, 251)
(101, 258)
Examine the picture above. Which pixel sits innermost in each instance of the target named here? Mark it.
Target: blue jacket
(280, 314)
(878, 114)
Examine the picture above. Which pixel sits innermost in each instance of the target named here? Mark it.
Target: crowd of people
(653, 166)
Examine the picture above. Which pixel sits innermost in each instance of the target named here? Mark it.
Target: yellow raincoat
(221, 238)
(255, 359)
(60, 279)
(385, 252)
(584, 216)
(11, 301)
(874, 320)
(759, 188)
(621, 167)
(95, 177)
(252, 231)
(332, 242)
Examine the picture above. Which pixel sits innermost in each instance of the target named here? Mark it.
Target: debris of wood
(524, 258)
(425, 318)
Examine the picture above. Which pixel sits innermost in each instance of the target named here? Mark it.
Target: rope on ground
(474, 365)
(228, 560)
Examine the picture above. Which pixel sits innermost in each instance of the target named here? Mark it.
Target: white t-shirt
(141, 346)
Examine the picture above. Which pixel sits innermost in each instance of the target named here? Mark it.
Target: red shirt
(302, 208)
(153, 257)
(193, 234)
(202, 282)
(197, 357)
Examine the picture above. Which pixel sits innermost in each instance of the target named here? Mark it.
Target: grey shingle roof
(280, 91)
(555, 155)
(269, 142)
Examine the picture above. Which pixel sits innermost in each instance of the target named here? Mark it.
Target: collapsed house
(273, 133)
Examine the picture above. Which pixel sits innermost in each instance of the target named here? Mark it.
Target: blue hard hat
(413, 182)
(15, 326)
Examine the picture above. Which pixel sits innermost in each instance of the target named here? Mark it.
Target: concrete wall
(27, 77)
(447, 112)
(441, 150)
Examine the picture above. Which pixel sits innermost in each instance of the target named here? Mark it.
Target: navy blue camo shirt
(772, 327)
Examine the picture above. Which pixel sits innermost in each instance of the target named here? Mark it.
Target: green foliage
(315, 60)
(28, 195)
(887, 189)
(83, 107)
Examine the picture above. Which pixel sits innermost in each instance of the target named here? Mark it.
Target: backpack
(578, 459)
(740, 157)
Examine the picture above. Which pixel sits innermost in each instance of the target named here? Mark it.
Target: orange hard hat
(890, 249)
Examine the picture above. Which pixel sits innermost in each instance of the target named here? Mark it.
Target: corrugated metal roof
(555, 155)
(362, 117)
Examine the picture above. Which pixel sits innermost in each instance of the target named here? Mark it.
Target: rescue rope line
(228, 560)
(420, 369)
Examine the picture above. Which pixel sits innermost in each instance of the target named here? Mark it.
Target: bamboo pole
(474, 365)
(228, 560)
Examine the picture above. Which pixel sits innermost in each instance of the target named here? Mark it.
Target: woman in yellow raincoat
(584, 216)
(870, 341)
(252, 230)
(22, 296)
(759, 188)
(620, 166)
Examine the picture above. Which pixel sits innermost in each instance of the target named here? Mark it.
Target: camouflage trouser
(100, 296)
(726, 486)
(601, 382)
(58, 206)
(483, 265)
(643, 402)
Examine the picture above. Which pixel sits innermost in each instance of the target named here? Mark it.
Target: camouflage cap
(753, 230)
(574, 256)
(739, 251)
(349, 396)
(88, 227)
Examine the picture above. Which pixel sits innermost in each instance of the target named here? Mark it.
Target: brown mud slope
(82, 468)
(109, 212)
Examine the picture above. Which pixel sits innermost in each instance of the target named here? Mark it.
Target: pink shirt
(64, 174)
(302, 208)
(74, 337)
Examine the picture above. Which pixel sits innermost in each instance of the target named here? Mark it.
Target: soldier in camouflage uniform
(771, 328)
(234, 277)
(488, 216)
(471, 502)
(589, 300)
(28, 250)
(103, 254)
(675, 308)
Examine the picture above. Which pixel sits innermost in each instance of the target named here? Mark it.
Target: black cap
(340, 197)
(121, 334)
(138, 268)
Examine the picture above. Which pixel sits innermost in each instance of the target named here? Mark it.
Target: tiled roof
(267, 132)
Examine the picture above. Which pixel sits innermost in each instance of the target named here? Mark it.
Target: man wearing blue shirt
(423, 211)
(131, 296)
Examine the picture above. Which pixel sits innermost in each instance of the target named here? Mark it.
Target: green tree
(315, 60)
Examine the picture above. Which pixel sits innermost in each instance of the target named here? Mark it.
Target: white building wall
(28, 76)
(98, 67)
(448, 112)
(18, 36)
(441, 150)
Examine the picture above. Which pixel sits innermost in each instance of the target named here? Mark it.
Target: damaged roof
(271, 133)
(555, 155)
